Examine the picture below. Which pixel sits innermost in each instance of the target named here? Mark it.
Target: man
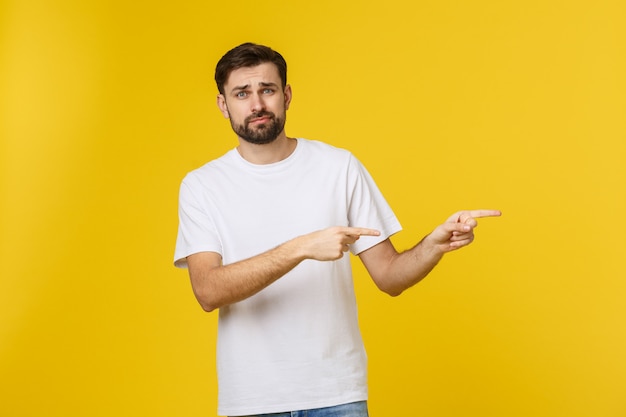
(263, 231)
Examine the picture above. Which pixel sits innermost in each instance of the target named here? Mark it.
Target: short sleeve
(368, 208)
(196, 228)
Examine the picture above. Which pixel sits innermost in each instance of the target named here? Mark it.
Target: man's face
(255, 103)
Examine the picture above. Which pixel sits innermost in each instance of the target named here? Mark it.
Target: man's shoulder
(317, 146)
(211, 168)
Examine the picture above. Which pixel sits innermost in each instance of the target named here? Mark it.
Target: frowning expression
(255, 103)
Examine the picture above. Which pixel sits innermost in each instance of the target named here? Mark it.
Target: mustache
(259, 115)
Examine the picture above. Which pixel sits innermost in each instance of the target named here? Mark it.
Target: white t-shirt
(296, 344)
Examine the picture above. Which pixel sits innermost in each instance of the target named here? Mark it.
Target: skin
(254, 90)
(262, 92)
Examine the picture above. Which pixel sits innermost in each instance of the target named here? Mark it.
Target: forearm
(221, 285)
(217, 285)
(404, 270)
(411, 266)
(395, 272)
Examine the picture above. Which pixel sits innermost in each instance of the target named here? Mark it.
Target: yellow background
(514, 105)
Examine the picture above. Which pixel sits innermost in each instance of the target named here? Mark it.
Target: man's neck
(268, 153)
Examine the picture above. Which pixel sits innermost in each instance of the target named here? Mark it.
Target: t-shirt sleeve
(368, 208)
(196, 228)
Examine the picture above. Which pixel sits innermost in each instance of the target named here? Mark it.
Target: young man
(264, 230)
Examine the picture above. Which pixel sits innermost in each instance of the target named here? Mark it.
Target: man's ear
(221, 104)
(287, 94)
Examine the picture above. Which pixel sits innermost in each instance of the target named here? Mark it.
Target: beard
(261, 134)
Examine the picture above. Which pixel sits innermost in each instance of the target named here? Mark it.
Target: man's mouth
(259, 118)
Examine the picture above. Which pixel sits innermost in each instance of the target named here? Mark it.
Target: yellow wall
(519, 106)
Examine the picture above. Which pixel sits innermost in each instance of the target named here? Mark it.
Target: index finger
(484, 213)
(361, 231)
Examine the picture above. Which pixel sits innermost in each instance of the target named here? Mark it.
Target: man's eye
(242, 94)
(268, 91)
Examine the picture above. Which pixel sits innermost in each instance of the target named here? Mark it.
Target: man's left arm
(395, 272)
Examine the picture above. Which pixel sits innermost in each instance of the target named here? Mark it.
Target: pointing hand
(458, 230)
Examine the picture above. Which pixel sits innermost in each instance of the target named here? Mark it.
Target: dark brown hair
(248, 55)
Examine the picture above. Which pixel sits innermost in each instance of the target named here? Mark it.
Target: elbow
(206, 296)
(207, 303)
(208, 308)
(389, 288)
(392, 292)
(395, 286)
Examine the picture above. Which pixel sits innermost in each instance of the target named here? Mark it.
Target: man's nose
(257, 103)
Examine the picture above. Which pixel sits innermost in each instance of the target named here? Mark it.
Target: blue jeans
(358, 409)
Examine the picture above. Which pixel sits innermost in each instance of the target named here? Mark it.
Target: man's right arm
(216, 285)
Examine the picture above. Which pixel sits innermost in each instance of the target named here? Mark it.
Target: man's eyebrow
(247, 86)
(240, 87)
